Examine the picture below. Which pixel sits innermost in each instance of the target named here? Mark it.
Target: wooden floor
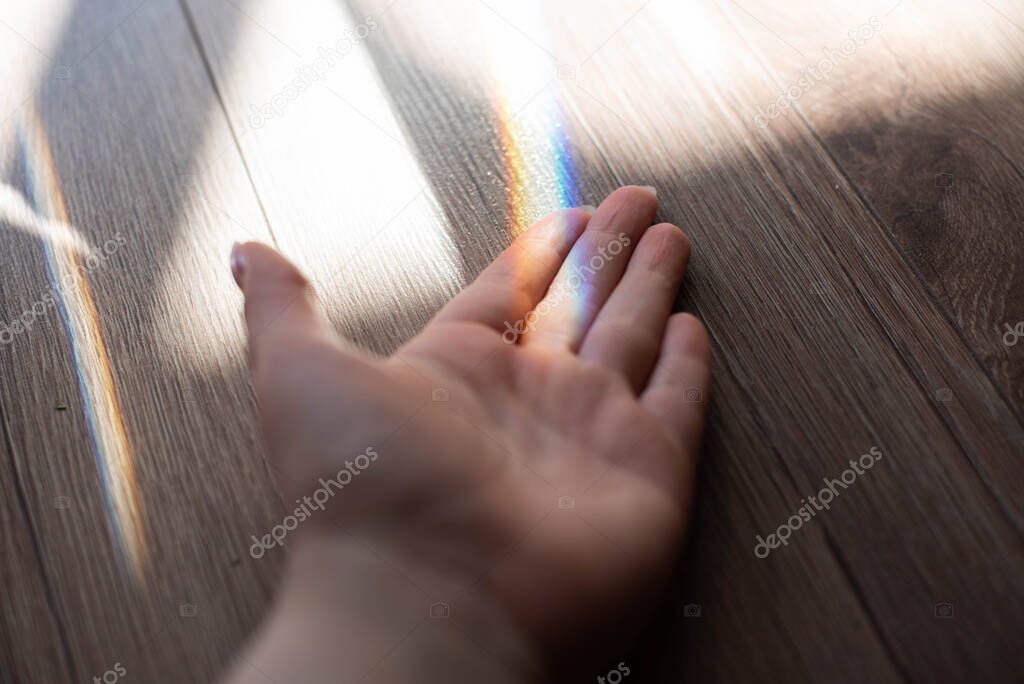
(858, 260)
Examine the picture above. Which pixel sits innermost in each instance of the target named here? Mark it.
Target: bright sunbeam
(15, 212)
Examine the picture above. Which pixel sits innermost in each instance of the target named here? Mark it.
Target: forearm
(349, 614)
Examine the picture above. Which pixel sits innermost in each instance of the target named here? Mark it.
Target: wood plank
(768, 228)
(32, 647)
(827, 328)
(457, 141)
(418, 38)
(157, 449)
(393, 190)
(339, 186)
(905, 119)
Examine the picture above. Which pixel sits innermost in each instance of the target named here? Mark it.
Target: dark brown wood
(856, 260)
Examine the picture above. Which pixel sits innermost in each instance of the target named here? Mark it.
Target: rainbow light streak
(539, 171)
(95, 381)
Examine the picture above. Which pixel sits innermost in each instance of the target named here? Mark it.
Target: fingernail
(588, 207)
(237, 263)
(650, 188)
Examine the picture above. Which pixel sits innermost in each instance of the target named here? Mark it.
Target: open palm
(538, 438)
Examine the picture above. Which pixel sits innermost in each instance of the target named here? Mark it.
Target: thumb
(280, 306)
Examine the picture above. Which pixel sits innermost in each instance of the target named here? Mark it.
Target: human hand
(548, 474)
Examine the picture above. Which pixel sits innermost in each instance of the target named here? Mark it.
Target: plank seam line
(995, 148)
(208, 68)
(968, 453)
(855, 590)
(888, 233)
(861, 598)
(881, 223)
(48, 592)
(194, 32)
(744, 391)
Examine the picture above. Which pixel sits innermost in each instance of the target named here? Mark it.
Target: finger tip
(237, 261)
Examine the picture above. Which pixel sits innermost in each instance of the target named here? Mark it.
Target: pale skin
(538, 489)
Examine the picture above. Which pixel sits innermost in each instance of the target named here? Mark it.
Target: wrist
(352, 610)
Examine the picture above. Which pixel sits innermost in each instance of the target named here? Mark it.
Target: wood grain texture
(846, 279)
(930, 133)
(340, 189)
(128, 124)
(730, 585)
(812, 305)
